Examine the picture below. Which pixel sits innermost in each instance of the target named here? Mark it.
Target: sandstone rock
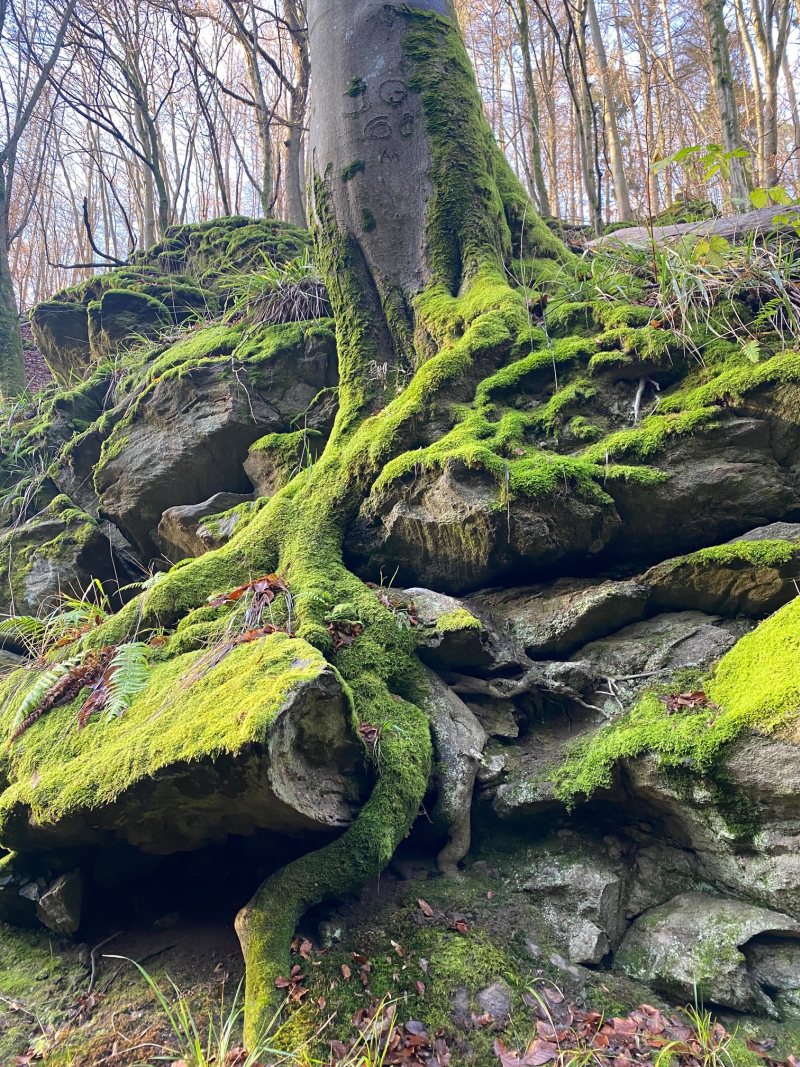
(179, 531)
(774, 531)
(263, 741)
(452, 637)
(580, 893)
(723, 481)
(496, 999)
(775, 964)
(58, 551)
(123, 317)
(667, 642)
(555, 619)
(61, 332)
(445, 530)
(724, 583)
(274, 458)
(693, 944)
(190, 433)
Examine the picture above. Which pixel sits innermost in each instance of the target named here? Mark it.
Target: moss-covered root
(267, 923)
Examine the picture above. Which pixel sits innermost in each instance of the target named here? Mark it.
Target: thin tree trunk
(621, 194)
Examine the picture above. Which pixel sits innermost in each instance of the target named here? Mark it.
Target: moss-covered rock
(261, 739)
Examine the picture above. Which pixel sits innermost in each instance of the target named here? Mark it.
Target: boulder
(61, 332)
(259, 739)
(445, 530)
(692, 946)
(181, 532)
(59, 551)
(191, 432)
(740, 823)
(723, 480)
(122, 318)
(580, 893)
(59, 907)
(451, 638)
(557, 618)
(775, 964)
(276, 457)
(667, 642)
(753, 576)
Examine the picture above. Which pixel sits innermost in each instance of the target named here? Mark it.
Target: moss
(59, 770)
(460, 619)
(356, 167)
(747, 696)
(753, 553)
(357, 87)
(368, 222)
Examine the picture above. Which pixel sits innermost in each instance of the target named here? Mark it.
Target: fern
(23, 627)
(127, 675)
(42, 686)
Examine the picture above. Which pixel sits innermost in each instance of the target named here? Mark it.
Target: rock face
(696, 940)
(189, 436)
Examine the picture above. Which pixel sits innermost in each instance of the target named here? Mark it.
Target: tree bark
(726, 98)
(621, 195)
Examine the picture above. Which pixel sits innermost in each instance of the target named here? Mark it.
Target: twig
(93, 959)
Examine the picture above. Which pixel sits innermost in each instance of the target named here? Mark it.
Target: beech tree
(417, 213)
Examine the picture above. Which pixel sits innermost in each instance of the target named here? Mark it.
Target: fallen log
(732, 227)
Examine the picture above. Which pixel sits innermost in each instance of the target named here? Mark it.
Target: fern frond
(127, 676)
(24, 627)
(41, 687)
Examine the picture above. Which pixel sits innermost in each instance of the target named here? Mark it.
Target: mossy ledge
(742, 697)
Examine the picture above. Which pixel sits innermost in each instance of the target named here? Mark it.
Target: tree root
(459, 740)
(266, 924)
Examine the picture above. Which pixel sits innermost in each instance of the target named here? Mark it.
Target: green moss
(358, 166)
(59, 770)
(755, 686)
(460, 619)
(357, 87)
(368, 222)
(753, 553)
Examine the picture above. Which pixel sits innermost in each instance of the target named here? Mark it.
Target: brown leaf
(346, 972)
(420, 987)
(425, 908)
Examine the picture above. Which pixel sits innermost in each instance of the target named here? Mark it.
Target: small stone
(496, 999)
(59, 907)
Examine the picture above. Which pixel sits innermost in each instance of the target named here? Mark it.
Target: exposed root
(267, 923)
(459, 741)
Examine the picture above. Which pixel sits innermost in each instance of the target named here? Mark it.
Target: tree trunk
(534, 134)
(726, 98)
(621, 195)
(12, 366)
(416, 213)
(295, 201)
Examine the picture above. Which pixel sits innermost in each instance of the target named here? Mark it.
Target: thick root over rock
(267, 923)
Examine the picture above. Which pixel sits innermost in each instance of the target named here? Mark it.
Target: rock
(723, 480)
(450, 637)
(692, 946)
(726, 581)
(191, 432)
(459, 740)
(667, 642)
(496, 999)
(580, 893)
(123, 317)
(660, 872)
(59, 907)
(555, 619)
(276, 457)
(61, 332)
(179, 529)
(22, 882)
(740, 825)
(57, 552)
(446, 531)
(775, 964)
(775, 531)
(263, 741)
